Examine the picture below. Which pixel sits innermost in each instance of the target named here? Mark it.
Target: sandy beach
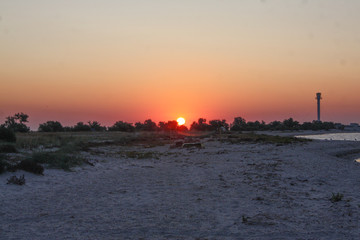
(222, 191)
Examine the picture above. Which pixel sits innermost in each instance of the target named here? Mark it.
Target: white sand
(224, 191)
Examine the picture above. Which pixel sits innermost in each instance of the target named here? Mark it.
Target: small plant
(30, 166)
(336, 197)
(16, 180)
(244, 219)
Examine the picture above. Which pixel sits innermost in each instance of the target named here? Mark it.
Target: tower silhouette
(318, 98)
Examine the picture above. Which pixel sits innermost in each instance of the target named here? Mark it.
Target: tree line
(17, 123)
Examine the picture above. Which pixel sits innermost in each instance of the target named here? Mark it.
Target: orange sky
(133, 60)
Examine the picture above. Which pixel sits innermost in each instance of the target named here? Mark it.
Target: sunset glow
(134, 60)
(181, 121)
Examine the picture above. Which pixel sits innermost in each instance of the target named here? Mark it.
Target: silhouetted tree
(216, 125)
(182, 128)
(200, 125)
(51, 126)
(239, 124)
(17, 122)
(122, 127)
(290, 124)
(148, 125)
(95, 126)
(172, 125)
(162, 126)
(81, 127)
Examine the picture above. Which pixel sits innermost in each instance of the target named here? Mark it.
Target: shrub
(16, 180)
(7, 148)
(7, 134)
(30, 166)
(16, 122)
(122, 127)
(96, 126)
(81, 127)
(57, 159)
(336, 197)
(51, 126)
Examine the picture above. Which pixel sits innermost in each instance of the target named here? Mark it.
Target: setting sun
(181, 121)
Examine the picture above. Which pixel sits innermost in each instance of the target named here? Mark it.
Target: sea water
(334, 136)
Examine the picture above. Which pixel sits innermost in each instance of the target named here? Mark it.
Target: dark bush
(30, 166)
(81, 127)
(57, 159)
(7, 134)
(96, 126)
(7, 148)
(122, 127)
(51, 126)
(17, 122)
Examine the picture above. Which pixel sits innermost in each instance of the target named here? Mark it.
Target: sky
(110, 60)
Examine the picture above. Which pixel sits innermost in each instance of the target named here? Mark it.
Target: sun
(181, 121)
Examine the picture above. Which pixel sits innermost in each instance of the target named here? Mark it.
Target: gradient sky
(111, 60)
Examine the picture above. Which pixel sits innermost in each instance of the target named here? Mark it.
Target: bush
(30, 166)
(6, 134)
(81, 127)
(122, 127)
(96, 126)
(51, 126)
(57, 159)
(17, 122)
(7, 148)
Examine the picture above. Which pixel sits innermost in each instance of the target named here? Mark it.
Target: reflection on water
(334, 136)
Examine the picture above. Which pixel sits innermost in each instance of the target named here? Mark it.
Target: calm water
(334, 136)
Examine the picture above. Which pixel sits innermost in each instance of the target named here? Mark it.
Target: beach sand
(223, 191)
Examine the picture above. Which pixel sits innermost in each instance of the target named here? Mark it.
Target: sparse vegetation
(262, 138)
(57, 159)
(336, 197)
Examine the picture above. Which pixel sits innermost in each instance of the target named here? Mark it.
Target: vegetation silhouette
(17, 122)
(51, 126)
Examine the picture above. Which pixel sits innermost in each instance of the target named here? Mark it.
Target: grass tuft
(336, 197)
